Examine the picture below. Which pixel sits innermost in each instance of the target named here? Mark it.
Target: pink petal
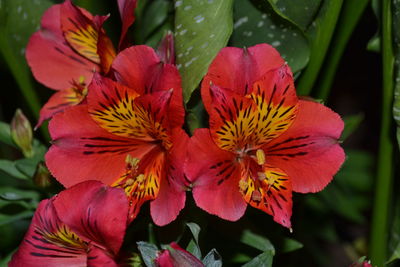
(36, 248)
(309, 151)
(58, 102)
(172, 195)
(237, 69)
(100, 215)
(139, 67)
(82, 150)
(215, 176)
(52, 61)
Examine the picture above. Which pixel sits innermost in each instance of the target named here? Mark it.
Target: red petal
(309, 151)
(52, 61)
(172, 195)
(215, 177)
(100, 215)
(117, 109)
(143, 184)
(139, 67)
(82, 150)
(127, 12)
(272, 193)
(237, 69)
(58, 102)
(79, 30)
(97, 258)
(40, 242)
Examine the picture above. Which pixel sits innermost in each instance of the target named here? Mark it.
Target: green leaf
(11, 169)
(5, 219)
(5, 135)
(320, 34)
(351, 123)
(395, 254)
(262, 260)
(193, 246)
(350, 16)
(257, 241)
(19, 20)
(12, 194)
(374, 44)
(4, 261)
(260, 24)
(301, 12)
(396, 37)
(202, 28)
(212, 259)
(290, 245)
(148, 252)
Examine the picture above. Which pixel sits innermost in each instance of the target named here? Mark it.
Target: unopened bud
(166, 49)
(42, 176)
(21, 133)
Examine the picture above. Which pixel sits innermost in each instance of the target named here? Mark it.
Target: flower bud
(21, 133)
(166, 50)
(42, 176)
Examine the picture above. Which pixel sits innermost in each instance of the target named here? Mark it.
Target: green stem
(379, 231)
(351, 14)
(321, 38)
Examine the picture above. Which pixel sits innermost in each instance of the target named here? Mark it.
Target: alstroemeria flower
(81, 226)
(128, 135)
(69, 47)
(177, 257)
(263, 142)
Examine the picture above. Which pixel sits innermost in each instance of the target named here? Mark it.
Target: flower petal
(100, 215)
(172, 195)
(119, 110)
(97, 257)
(309, 151)
(215, 177)
(58, 102)
(142, 180)
(49, 242)
(277, 102)
(82, 150)
(139, 67)
(127, 11)
(52, 61)
(237, 69)
(239, 122)
(79, 31)
(270, 192)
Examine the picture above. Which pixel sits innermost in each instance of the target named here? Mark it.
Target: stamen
(261, 176)
(243, 185)
(140, 178)
(256, 196)
(260, 156)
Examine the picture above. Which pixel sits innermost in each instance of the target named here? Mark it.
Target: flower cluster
(117, 118)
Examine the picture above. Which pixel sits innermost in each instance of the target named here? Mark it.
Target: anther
(256, 196)
(260, 156)
(243, 185)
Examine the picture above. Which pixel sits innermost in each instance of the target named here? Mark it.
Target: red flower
(263, 142)
(67, 232)
(63, 55)
(127, 135)
(177, 257)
